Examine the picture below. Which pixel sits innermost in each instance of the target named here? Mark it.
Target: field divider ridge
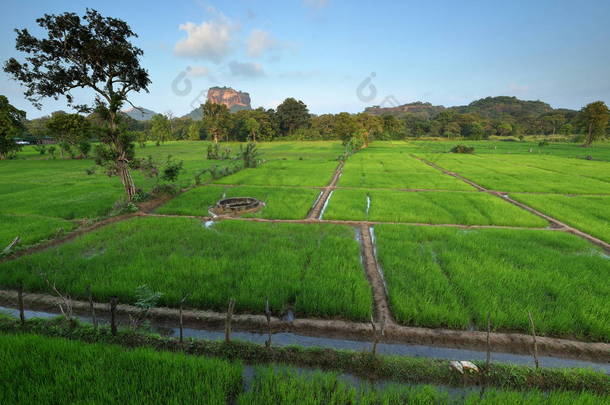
(375, 277)
(519, 343)
(344, 222)
(316, 210)
(504, 196)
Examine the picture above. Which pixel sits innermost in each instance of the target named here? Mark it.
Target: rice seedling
(395, 170)
(280, 203)
(454, 277)
(590, 214)
(60, 371)
(315, 269)
(430, 207)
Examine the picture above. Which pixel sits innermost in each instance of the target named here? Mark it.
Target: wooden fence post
(113, 304)
(228, 320)
(534, 337)
(268, 316)
(92, 307)
(181, 319)
(488, 359)
(20, 302)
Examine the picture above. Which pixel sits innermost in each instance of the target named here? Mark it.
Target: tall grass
(38, 370)
(590, 214)
(526, 173)
(372, 169)
(280, 203)
(313, 268)
(454, 277)
(432, 207)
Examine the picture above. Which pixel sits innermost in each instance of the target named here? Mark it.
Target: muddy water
(291, 339)
(326, 204)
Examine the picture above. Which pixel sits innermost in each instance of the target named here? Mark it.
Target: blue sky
(321, 51)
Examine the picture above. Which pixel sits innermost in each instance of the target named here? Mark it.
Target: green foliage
(594, 117)
(462, 149)
(250, 156)
(216, 120)
(216, 152)
(291, 115)
(11, 126)
(159, 128)
(171, 170)
(69, 130)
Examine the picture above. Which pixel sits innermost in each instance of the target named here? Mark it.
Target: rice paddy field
(45, 370)
(447, 276)
(454, 277)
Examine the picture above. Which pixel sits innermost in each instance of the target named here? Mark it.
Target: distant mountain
(418, 108)
(496, 107)
(196, 114)
(139, 114)
(489, 107)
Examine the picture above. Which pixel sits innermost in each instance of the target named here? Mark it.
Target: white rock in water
(456, 365)
(466, 365)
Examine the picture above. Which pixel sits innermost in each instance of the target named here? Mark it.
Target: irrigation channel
(171, 329)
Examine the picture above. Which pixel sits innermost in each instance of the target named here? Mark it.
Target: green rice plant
(431, 207)
(38, 370)
(30, 228)
(495, 396)
(455, 277)
(518, 173)
(313, 268)
(369, 169)
(280, 203)
(589, 214)
(315, 173)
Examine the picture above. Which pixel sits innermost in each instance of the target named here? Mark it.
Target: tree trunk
(589, 138)
(126, 179)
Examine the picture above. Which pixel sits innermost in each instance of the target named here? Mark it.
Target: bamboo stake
(268, 316)
(91, 307)
(21, 306)
(113, 304)
(488, 359)
(228, 320)
(534, 337)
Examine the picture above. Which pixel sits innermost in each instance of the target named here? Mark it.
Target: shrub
(462, 149)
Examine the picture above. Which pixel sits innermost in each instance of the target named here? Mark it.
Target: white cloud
(246, 69)
(211, 40)
(260, 42)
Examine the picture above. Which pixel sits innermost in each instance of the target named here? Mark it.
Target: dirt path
(373, 273)
(552, 221)
(507, 342)
(316, 210)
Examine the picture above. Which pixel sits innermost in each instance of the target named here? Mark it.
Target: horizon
(321, 52)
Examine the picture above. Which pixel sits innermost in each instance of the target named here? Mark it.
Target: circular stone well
(236, 206)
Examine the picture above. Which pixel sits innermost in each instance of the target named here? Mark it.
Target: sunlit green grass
(372, 169)
(454, 277)
(430, 207)
(30, 228)
(589, 214)
(313, 268)
(39, 370)
(525, 173)
(285, 173)
(280, 203)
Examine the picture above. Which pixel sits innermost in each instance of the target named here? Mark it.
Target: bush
(462, 149)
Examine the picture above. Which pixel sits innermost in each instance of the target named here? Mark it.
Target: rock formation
(233, 99)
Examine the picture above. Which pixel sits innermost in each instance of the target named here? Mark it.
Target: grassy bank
(398, 369)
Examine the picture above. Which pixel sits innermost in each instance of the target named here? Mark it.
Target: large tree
(160, 128)
(594, 117)
(216, 120)
(292, 114)
(68, 129)
(11, 126)
(92, 52)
